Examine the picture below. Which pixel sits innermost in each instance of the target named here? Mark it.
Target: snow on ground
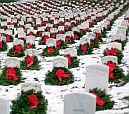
(55, 94)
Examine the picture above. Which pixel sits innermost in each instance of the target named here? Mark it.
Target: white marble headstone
(51, 42)
(12, 62)
(20, 30)
(84, 40)
(97, 76)
(17, 42)
(22, 35)
(60, 62)
(46, 33)
(9, 32)
(31, 85)
(115, 45)
(30, 39)
(31, 52)
(71, 51)
(90, 35)
(4, 106)
(60, 37)
(106, 59)
(79, 103)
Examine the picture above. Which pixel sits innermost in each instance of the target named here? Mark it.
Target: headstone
(60, 62)
(4, 106)
(84, 40)
(53, 30)
(31, 52)
(61, 28)
(30, 30)
(60, 37)
(30, 39)
(17, 42)
(106, 59)
(97, 77)
(22, 35)
(31, 85)
(71, 51)
(79, 103)
(12, 62)
(90, 35)
(115, 45)
(51, 42)
(69, 33)
(9, 32)
(46, 33)
(20, 30)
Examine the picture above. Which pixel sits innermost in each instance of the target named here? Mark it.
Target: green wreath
(52, 78)
(118, 75)
(5, 82)
(47, 54)
(108, 103)
(22, 106)
(11, 37)
(63, 44)
(35, 65)
(119, 55)
(4, 46)
(10, 53)
(88, 51)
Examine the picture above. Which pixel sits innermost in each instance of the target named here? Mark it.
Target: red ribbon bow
(99, 102)
(75, 36)
(1, 43)
(30, 61)
(40, 33)
(11, 73)
(44, 39)
(66, 28)
(111, 67)
(50, 50)
(18, 49)
(28, 45)
(8, 38)
(48, 29)
(84, 48)
(53, 36)
(60, 31)
(58, 43)
(111, 52)
(31, 34)
(68, 39)
(33, 101)
(60, 73)
(98, 35)
(69, 59)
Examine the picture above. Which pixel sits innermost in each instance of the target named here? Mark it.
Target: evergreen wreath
(10, 53)
(9, 38)
(73, 62)
(94, 43)
(117, 53)
(61, 44)
(42, 41)
(84, 49)
(4, 80)
(33, 63)
(103, 100)
(22, 105)
(69, 40)
(50, 51)
(3, 46)
(57, 76)
(28, 45)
